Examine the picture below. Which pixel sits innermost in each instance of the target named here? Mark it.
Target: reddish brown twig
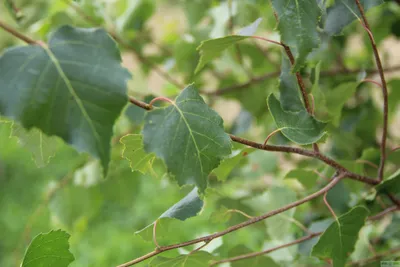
(17, 34)
(365, 24)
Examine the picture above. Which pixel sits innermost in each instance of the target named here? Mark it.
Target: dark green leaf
(343, 12)
(298, 21)
(135, 154)
(340, 238)
(213, 48)
(51, 249)
(187, 207)
(228, 164)
(298, 127)
(74, 89)
(391, 184)
(288, 88)
(188, 136)
(196, 259)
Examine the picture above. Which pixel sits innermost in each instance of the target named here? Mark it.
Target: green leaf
(41, 146)
(336, 99)
(74, 89)
(188, 136)
(340, 238)
(261, 260)
(213, 48)
(307, 178)
(298, 21)
(298, 127)
(196, 259)
(134, 152)
(391, 184)
(51, 249)
(288, 88)
(343, 12)
(228, 164)
(187, 207)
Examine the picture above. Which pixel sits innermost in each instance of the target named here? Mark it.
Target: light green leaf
(134, 152)
(343, 12)
(196, 259)
(298, 21)
(288, 88)
(41, 146)
(338, 241)
(188, 136)
(306, 177)
(74, 89)
(213, 48)
(298, 127)
(391, 184)
(51, 249)
(336, 99)
(228, 164)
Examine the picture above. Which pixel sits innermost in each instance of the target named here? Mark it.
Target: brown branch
(236, 227)
(375, 258)
(140, 104)
(255, 254)
(307, 153)
(365, 24)
(17, 34)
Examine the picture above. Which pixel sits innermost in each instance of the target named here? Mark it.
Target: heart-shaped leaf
(188, 136)
(299, 127)
(51, 249)
(338, 241)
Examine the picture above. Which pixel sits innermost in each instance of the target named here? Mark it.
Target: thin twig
(270, 135)
(236, 227)
(307, 153)
(140, 104)
(365, 24)
(240, 212)
(16, 33)
(155, 234)
(372, 81)
(329, 206)
(256, 254)
(310, 236)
